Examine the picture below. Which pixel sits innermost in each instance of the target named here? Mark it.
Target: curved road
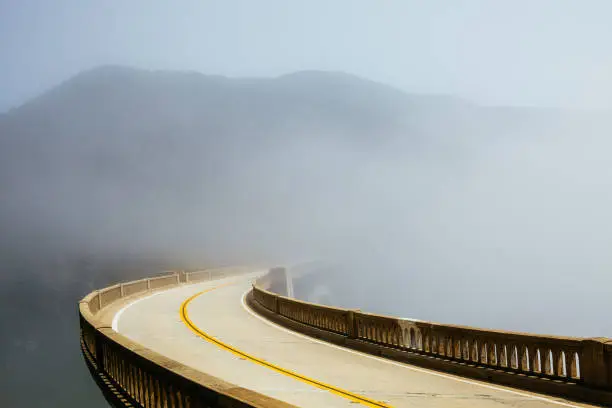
(207, 326)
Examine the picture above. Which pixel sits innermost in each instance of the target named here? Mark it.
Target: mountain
(111, 149)
(113, 102)
(121, 159)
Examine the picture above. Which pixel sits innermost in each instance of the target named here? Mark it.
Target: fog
(450, 157)
(513, 236)
(495, 227)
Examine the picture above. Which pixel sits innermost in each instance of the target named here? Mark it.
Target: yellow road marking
(335, 390)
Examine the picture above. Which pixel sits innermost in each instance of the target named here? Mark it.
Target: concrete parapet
(131, 375)
(163, 281)
(571, 367)
(134, 287)
(215, 273)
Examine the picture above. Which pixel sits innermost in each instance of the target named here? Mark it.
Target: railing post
(121, 288)
(351, 324)
(608, 361)
(99, 300)
(99, 351)
(148, 284)
(593, 362)
(182, 276)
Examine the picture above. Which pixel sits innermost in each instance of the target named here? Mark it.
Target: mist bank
(490, 216)
(516, 238)
(123, 160)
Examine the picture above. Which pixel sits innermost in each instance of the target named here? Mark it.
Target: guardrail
(211, 274)
(579, 368)
(131, 375)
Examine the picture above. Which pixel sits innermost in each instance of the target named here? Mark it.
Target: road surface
(208, 326)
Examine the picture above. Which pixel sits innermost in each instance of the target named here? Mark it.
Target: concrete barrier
(215, 273)
(109, 295)
(163, 281)
(134, 287)
(131, 375)
(576, 368)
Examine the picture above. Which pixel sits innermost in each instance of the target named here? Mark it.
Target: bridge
(231, 337)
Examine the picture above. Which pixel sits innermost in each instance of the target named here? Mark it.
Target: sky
(523, 52)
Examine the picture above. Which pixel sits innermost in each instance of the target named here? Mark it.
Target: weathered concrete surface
(155, 323)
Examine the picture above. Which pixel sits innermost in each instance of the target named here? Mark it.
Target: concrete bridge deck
(208, 326)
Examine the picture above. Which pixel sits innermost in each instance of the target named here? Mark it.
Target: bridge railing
(132, 375)
(556, 358)
(211, 274)
(572, 366)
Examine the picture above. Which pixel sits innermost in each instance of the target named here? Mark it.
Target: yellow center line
(335, 390)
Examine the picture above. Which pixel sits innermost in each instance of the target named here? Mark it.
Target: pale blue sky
(527, 52)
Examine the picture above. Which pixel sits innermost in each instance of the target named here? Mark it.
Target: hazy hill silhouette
(118, 159)
(116, 145)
